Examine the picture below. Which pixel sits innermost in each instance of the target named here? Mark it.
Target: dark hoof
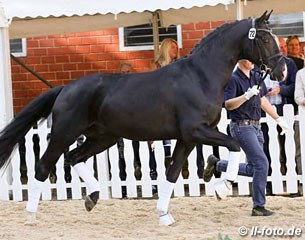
(91, 201)
(218, 197)
(210, 169)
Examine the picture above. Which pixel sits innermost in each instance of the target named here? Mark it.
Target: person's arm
(270, 110)
(298, 92)
(236, 102)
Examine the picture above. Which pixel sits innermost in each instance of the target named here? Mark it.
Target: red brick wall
(62, 58)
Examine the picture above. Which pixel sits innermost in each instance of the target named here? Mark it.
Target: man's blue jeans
(250, 138)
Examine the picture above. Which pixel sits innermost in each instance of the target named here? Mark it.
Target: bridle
(264, 69)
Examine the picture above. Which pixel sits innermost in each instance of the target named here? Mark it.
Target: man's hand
(282, 123)
(274, 91)
(251, 92)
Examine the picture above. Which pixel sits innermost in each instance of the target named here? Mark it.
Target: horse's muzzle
(279, 74)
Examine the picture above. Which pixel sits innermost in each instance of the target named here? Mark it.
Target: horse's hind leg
(180, 155)
(42, 170)
(77, 157)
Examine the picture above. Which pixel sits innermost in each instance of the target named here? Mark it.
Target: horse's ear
(264, 18)
(268, 15)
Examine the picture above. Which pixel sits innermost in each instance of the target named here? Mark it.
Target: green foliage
(220, 237)
(223, 238)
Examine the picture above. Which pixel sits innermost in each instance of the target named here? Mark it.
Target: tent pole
(155, 29)
(239, 10)
(6, 92)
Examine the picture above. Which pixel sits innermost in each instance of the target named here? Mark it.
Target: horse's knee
(41, 172)
(73, 159)
(233, 146)
(172, 174)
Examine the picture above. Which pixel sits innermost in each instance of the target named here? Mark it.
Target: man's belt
(248, 121)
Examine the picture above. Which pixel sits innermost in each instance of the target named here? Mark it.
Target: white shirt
(275, 99)
(299, 92)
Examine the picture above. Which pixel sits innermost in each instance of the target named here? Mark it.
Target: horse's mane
(210, 38)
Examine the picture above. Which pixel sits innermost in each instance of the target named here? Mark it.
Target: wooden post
(155, 33)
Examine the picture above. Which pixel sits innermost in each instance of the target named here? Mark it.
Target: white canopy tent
(39, 18)
(65, 16)
(20, 18)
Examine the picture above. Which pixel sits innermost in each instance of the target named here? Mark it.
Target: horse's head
(261, 48)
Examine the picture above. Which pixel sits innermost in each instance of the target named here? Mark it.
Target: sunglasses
(289, 38)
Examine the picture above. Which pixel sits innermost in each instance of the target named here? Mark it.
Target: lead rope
(264, 70)
(263, 73)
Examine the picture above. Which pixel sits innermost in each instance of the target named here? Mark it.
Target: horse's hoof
(91, 200)
(31, 219)
(89, 203)
(223, 188)
(217, 196)
(166, 220)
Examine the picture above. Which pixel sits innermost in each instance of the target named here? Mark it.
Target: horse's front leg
(180, 155)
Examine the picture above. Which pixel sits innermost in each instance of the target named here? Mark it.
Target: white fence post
(145, 181)
(113, 187)
(103, 174)
(4, 186)
(291, 175)
(61, 189)
(276, 176)
(130, 179)
(302, 143)
(17, 186)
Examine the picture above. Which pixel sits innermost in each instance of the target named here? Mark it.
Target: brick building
(63, 58)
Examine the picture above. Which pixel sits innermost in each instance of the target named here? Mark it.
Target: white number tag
(252, 33)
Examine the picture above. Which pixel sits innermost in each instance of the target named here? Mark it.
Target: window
(140, 37)
(284, 25)
(18, 47)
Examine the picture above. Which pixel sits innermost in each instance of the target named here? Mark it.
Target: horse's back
(115, 102)
(139, 106)
(81, 99)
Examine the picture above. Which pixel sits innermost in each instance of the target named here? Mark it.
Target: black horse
(182, 101)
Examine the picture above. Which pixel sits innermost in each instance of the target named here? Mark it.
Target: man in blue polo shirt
(244, 101)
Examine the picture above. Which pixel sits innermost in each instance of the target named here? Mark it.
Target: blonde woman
(294, 51)
(168, 53)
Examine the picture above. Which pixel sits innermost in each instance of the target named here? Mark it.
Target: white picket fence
(11, 186)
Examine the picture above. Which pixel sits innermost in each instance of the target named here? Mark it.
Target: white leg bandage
(223, 188)
(165, 193)
(88, 177)
(233, 165)
(35, 190)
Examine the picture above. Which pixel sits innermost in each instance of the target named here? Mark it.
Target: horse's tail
(15, 131)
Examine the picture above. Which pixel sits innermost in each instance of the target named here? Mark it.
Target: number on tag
(252, 33)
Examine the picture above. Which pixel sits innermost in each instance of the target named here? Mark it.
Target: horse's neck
(215, 62)
(219, 59)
